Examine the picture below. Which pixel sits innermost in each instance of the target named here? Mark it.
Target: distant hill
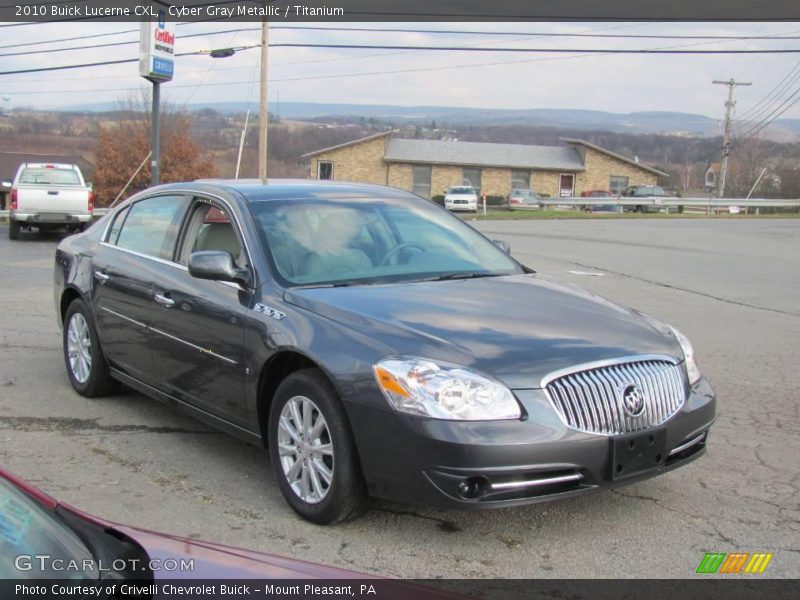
(674, 123)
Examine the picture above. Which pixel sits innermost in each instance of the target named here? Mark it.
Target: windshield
(648, 191)
(317, 242)
(45, 176)
(28, 531)
(462, 190)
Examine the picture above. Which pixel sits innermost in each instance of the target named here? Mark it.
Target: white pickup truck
(49, 196)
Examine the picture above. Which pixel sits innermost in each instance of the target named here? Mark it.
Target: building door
(566, 185)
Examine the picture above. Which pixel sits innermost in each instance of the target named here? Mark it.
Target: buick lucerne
(376, 345)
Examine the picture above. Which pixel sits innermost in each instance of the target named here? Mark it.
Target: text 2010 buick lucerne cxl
(377, 345)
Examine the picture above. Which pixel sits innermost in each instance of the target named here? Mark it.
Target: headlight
(688, 354)
(441, 391)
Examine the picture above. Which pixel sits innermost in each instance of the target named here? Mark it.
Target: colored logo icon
(734, 563)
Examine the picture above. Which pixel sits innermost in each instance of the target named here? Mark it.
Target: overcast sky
(616, 83)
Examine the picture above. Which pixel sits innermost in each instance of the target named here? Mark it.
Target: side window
(210, 228)
(117, 225)
(151, 225)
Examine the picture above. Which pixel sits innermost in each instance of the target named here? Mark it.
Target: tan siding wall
(363, 162)
(360, 162)
(545, 182)
(400, 176)
(600, 167)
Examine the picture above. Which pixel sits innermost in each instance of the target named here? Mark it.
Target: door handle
(101, 277)
(164, 300)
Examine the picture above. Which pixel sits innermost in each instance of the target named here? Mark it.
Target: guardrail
(667, 202)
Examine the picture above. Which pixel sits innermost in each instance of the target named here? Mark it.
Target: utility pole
(263, 111)
(726, 147)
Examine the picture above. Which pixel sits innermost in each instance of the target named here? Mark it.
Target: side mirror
(7, 183)
(217, 266)
(502, 245)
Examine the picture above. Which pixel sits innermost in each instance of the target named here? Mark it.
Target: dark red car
(41, 538)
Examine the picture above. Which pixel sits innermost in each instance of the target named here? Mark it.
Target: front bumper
(505, 463)
(37, 219)
(465, 207)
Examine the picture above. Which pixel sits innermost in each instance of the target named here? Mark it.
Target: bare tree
(122, 144)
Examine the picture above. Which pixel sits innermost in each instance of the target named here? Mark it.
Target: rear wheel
(86, 366)
(13, 229)
(312, 451)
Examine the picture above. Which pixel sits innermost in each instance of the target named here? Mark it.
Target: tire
(86, 366)
(13, 229)
(345, 496)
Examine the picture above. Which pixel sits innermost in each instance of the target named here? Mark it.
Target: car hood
(517, 328)
(461, 197)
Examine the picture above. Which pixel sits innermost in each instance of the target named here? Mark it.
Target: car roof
(256, 190)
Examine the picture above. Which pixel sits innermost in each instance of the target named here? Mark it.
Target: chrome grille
(590, 399)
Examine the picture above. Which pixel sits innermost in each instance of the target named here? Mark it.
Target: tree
(122, 145)
(745, 165)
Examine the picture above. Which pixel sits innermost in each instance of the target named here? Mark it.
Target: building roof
(635, 163)
(369, 138)
(557, 158)
(10, 162)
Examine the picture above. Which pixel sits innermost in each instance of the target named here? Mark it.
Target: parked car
(49, 196)
(523, 197)
(47, 539)
(461, 197)
(354, 330)
(600, 207)
(644, 191)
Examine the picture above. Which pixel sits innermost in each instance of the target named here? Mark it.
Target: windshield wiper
(461, 275)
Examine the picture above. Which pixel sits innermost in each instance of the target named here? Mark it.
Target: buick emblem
(632, 400)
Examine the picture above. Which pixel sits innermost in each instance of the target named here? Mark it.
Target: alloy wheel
(305, 449)
(79, 348)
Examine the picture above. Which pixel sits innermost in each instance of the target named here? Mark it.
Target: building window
(617, 184)
(521, 180)
(472, 176)
(422, 180)
(325, 169)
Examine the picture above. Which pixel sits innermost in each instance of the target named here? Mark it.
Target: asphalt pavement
(733, 286)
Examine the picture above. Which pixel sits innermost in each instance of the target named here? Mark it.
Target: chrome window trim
(182, 192)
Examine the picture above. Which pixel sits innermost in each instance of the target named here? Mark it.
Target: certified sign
(157, 48)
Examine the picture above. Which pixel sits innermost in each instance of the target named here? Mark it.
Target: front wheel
(86, 366)
(312, 451)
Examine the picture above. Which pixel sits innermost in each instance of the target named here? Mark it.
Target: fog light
(472, 488)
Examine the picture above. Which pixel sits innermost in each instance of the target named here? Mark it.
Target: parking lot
(733, 286)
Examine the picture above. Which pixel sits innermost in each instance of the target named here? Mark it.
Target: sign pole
(155, 131)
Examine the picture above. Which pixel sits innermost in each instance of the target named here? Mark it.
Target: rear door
(199, 325)
(124, 266)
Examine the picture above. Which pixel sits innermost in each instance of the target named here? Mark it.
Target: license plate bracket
(631, 455)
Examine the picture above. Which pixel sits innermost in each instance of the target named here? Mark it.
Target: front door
(198, 325)
(123, 268)
(566, 186)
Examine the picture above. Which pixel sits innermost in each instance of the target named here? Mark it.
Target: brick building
(428, 167)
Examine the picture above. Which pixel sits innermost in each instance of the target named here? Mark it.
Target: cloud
(616, 83)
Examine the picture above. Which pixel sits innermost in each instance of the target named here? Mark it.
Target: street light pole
(155, 133)
(263, 112)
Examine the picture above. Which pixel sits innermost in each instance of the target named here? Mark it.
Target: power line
(541, 34)
(793, 99)
(773, 96)
(533, 50)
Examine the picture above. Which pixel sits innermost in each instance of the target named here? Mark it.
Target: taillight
(13, 199)
(91, 201)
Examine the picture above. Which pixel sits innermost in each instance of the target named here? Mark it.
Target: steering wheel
(397, 250)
